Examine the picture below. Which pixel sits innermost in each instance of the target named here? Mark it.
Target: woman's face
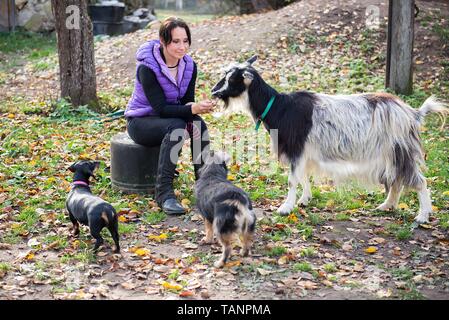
(179, 45)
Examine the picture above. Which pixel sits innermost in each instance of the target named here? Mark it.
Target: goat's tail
(432, 104)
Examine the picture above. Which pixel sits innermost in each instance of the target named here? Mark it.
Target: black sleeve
(156, 97)
(190, 93)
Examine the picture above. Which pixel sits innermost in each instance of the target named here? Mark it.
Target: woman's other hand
(201, 107)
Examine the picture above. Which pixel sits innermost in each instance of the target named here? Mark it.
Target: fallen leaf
(292, 218)
(185, 203)
(185, 294)
(263, 271)
(170, 286)
(283, 260)
(377, 240)
(233, 264)
(190, 245)
(128, 285)
(384, 293)
(142, 252)
(371, 250)
(403, 206)
(309, 285)
(159, 238)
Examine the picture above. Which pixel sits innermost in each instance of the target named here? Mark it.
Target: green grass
(330, 267)
(308, 252)
(25, 46)
(35, 45)
(401, 232)
(124, 228)
(154, 217)
(4, 267)
(302, 266)
(276, 251)
(402, 274)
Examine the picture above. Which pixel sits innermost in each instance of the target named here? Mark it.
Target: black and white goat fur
(372, 137)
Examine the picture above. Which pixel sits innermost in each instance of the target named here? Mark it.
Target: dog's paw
(245, 252)
(285, 209)
(219, 264)
(206, 241)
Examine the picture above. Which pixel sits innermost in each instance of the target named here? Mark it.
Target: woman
(162, 110)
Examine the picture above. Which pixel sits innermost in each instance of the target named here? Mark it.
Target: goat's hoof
(245, 252)
(303, 202)
(285, 209)
(423, 217)
(385, 207)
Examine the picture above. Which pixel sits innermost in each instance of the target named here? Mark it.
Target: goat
(370, 137)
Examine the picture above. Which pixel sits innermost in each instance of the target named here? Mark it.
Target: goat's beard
(237, 104)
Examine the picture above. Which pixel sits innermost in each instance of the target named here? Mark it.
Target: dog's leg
(114, 233)
(289, 204)
(225, 240)
(304, 178)
(247, 242)
(392, 200)
(95, 233)
(425, 203)
(76, 225)
(209, 238)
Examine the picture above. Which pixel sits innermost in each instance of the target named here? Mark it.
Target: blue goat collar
(264, 114)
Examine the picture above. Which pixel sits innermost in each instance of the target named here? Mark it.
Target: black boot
(196, 168)
(165, 196)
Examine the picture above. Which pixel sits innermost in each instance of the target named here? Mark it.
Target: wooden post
(399, 73)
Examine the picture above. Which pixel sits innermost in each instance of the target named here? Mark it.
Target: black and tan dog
(90, 210)
(226, 209)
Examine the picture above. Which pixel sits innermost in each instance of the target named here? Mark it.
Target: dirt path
(417, 267)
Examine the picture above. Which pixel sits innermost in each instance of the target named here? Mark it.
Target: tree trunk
(399, 73)
(76, 51)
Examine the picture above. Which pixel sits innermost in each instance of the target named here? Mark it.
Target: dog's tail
(109, 215)
(432, 104)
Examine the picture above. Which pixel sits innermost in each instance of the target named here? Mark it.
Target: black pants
(169, 133)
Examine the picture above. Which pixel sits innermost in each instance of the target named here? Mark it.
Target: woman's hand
(201, 107)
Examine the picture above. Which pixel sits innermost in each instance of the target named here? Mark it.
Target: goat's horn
(252, 59)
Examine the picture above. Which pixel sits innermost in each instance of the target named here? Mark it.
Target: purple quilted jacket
(174, 89)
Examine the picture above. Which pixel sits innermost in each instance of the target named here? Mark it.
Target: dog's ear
(90, 168)
(222, 157)
(96, 164)
(72, 167)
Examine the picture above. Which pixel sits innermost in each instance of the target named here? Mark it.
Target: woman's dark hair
(168, 25)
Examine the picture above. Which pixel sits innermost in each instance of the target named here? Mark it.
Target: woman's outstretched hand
(201, 107)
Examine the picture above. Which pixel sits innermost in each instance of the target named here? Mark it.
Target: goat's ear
(252, 60)
(248, 77)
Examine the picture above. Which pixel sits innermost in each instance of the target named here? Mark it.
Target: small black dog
(226, 209)
(90, 210)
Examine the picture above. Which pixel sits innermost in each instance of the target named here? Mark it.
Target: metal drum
(133, 166)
